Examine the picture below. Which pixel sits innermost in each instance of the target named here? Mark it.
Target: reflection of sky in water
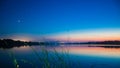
(92, 51)
(77, 50)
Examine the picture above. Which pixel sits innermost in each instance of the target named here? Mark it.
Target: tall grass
(14, 60)
(46, 57)
(11, 54)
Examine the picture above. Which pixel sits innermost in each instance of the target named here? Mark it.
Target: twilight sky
(81, 20)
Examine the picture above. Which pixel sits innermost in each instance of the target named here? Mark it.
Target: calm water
(60, 56)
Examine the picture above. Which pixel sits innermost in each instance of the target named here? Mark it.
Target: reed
(46, 57)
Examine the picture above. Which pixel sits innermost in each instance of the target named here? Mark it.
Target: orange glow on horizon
(98, 35)
(21, 38)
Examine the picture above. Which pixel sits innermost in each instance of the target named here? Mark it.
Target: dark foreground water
(60, 57)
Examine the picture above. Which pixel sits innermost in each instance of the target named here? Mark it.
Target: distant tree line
(9, 43)
(105, 42)
(100, 42)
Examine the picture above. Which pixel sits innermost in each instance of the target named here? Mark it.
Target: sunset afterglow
(91, 35)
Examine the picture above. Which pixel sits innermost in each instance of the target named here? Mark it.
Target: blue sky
(44, 17)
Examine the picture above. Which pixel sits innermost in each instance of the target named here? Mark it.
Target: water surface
(74, 56)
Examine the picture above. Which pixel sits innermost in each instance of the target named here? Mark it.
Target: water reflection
(77, 50)
(80, 56)
(92, 51)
